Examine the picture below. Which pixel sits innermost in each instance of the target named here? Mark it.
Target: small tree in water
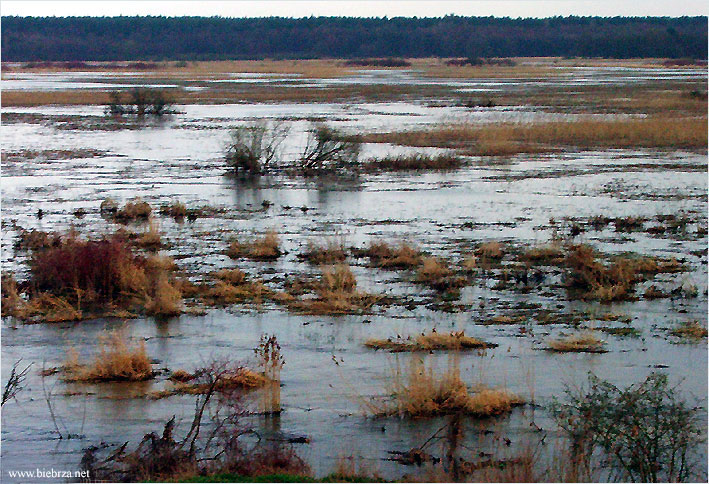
(327, 149)
(141, 102)
(645, 431)
(252, 149)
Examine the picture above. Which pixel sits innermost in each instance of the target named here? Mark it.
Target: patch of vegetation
(623, 331)
(135, 209)
(115, 361)
(414, 162)
(647, 433)
(581, 342)
(326, 150)
(386, 256)
(429, 342)
(692, 330)
(254, 148)
(423, 392)
(436, 274)
(383, 62)
(490, 250)
(140, 102)
(266, 248)
(333, 251)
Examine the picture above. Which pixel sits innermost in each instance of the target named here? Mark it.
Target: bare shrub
(252, 149)
(327, 150)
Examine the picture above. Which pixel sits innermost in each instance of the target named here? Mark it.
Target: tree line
(154, 38)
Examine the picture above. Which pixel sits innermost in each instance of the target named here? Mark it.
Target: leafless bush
(328, 150)
(15, 383)
(253, 148)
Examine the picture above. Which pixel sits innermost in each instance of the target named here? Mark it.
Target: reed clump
(424, 392)
(490, 250)
(548, 254)
(582, 342)
(455, 340)
(115, 361)
(135, 209)
(414, 162)
(330, 252)
(176, 210)
(436, 274)
(266, 248)
(335, 293)
(386, 256)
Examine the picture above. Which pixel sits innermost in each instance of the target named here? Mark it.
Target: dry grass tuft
(116, 361)
(436, 274)
(176, 210)
(150, 238)
(336, 294)
(263, 249)
(331, 252)
(425, 393)
(232, 276)
(690, 330)
(550, 254)
(135, 209)
(403, 256)
(429, 342)
(583, 342)
(166, 299)
(490, 250)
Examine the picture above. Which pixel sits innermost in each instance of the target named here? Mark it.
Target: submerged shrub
(140, 102)
(328, 150)
(252, 149)
(645, 430)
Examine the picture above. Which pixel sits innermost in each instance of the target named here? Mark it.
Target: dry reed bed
(384, 255)
(429, 342)
(690, 330)
(510, 138)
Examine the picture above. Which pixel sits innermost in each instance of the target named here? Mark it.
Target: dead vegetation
(552, 254)
(590, 279)
(581, 342)
(133, 210)
(511, 138)
(431, 341)
(335, 293)
(331, 252)
(264, 249)
(436, 274)
(690, 330)
(423, 392)
(384, 255)
(115, 361)
(414, 162)
(78, 279)
(490, 250)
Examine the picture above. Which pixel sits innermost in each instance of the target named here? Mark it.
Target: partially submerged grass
(263, 249)
(176, 210)
(435, 273)
(384, 255)
(336, 293)
(549, 254)
(490, 250)
(331, 252)
(135, 209)
(423, 392)
(116, 361)
(414, 162)
(513, 138)
(150, 238)
(236, 378)
(430, 342)
(582, 342)
(690, 330)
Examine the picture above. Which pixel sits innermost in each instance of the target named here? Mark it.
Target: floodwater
(511, 199)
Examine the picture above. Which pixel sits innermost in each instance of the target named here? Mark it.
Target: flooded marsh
(463, 265)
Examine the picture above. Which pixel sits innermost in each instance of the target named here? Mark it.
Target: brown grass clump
(37, 239)
(150, 238)
(584, 342)
(263, 249)
(414, 162)
(551, 254)
(11, 303)
(232, 276)
(436, 274)
(490, 250)
(166, 299)
(598, 281)
(403, 256)
(176, 210)
(425, 393)
(135, 209)
(336, 294)
(332, 252)
(116, 361)
(429, 342)
(690, 330)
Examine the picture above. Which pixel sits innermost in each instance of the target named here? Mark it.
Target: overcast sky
(357, 8)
